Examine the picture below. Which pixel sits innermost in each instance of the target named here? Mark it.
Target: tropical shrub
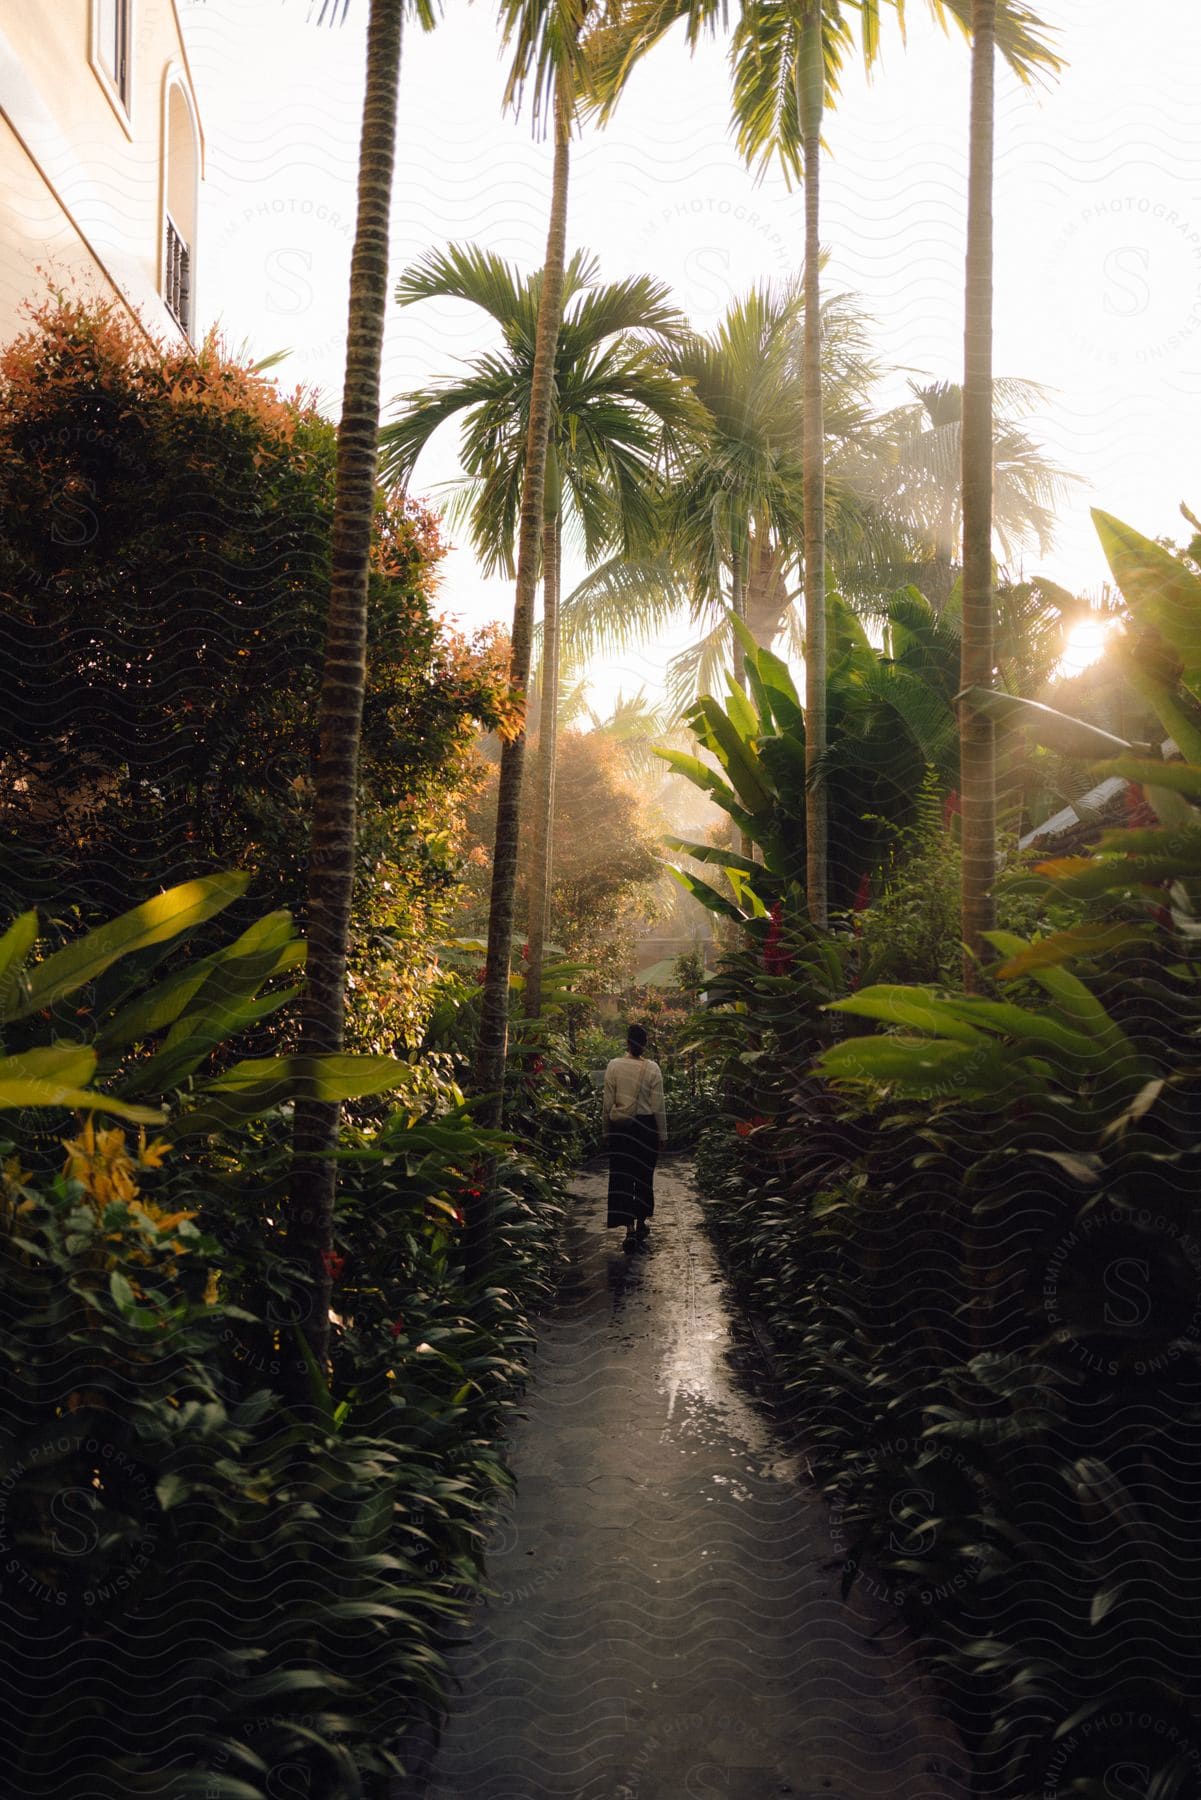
(156, 1489)
(164, 579)
(981, 1271)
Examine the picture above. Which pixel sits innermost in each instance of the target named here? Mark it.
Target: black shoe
(629, 1243)
(643, 1230)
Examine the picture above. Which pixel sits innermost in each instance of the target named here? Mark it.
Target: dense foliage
(972, 1238)
(158, 1497)
(163, 584)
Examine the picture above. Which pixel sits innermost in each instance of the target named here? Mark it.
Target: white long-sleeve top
(634, 1084)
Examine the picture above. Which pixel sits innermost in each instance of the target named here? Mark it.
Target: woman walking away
(635, 1125)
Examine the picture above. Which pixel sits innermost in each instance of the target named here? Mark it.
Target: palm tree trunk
(810, 97)
(494, 1015)
(738, 586)
(977, 759)
(738, 607)
(542, 851)
(332, 853)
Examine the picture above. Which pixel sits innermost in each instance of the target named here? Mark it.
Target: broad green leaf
(195, 1036)
(1164, 699)
(1085, 877)
(736, 756)
(757, 684)
(786, 706)
(328, 1078)
(724, 795)
(699, 773)
(1077, 940)
(916, 1007)
(1153, 840)
(257, 1085)
(123, 1295)
(744, 893)
(931, 1068)
(1081, 1008)
(708, 896)
(713, 853)
(15, 946)
(1058, 731)
(323, 1400)
(1159, 590)
(267, 948)
(55, 1076)
(1181, 778)
(958, 1017)
(170, 1489)
(742, 714)
(166, 916)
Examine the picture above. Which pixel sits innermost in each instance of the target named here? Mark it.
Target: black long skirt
(633, 1151)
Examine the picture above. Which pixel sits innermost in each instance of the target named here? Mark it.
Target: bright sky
(1098, 225)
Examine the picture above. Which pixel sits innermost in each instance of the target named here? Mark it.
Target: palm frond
(1023, 39)
(467, 272)
(620, 604)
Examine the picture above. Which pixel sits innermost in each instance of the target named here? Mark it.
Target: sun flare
(1087, 640)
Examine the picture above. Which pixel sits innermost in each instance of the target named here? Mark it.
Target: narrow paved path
(668, 1627)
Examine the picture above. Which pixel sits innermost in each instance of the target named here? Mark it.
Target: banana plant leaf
(710, 782)
(708, 896)
(1057, 730)
(1178, 778)
(1087, 877)
(1160, 591)
(195, 1036)
(774, 687)
(743, 716)
(736, 756)
(1164, 699)
(713, 853)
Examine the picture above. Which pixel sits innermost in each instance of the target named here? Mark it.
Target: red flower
(332, 1263)
(950, 806)
(397, 1325)
(776, 960)
(863, 892)
(538, 1064)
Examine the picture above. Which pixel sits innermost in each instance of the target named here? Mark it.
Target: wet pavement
(668, 1625)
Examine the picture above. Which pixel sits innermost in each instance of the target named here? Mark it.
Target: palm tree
(920, 473)
(731, 525)
(787, 57)
(618, 411)
(977, 750)
(332, 853)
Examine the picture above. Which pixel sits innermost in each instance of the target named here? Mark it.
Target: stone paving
(668, 1624)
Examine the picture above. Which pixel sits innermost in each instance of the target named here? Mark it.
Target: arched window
(181, 183)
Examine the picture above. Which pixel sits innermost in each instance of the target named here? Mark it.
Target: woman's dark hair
(636, 1039)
